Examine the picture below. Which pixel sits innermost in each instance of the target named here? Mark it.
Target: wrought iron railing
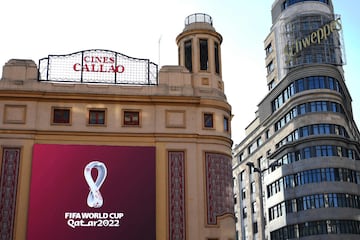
(198, 17)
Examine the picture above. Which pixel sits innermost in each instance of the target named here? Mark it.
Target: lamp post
(262, 195)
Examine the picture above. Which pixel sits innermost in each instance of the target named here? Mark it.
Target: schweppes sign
(315, 37)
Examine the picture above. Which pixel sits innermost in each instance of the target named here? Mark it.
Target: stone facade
(171, 119)
(297, 171)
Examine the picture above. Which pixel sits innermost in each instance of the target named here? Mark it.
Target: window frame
(255, 228)
(270, 67)
(68, 109)
(129, 123)
(99, 110)
(208, 120)
(253, 187)
(217, 58)
(226, 124)
(271, 84)
(244, 212)
(188, 55)
(269, 49)
(203, 54)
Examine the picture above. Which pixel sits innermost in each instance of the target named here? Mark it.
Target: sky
(148, 29)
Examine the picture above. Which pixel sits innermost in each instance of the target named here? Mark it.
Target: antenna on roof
(159, 50)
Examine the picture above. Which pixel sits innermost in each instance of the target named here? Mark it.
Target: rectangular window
(275, 104)
(281, 100)
(251, 148)
(217, 58)
(255, 227)
(96, 117)
(307, 153)
(240, 157)
(252, 187)
(242, 175)
(269, 190)
(243, 193)
(253, 207)
(319, 106)
(226, 124)
(324, 106)
(267, 134)
(61, 115)
(313, 107)
(302, 109)
(334, 107)
(268, 49)
(259, 142)
(270, 67)
(208, 120)
(286, 94)
(330, 150)
(188, 55)
(311, 83)
(131, 118)
(204, 58)
(330, 83)
(300, 85)
(271, 84)
(259, 160)
(321, 82)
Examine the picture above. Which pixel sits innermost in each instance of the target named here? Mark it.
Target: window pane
(226, 124)
(131, 118)
(61, 116)
(300, 85)
(208, 120)
(203, 54)
(96, 117)
(217, 58)
(188, 55)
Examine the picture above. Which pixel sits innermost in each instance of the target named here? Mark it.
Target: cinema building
(297, 171)
(99, 145)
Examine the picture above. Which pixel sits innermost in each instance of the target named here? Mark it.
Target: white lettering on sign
(91, 219)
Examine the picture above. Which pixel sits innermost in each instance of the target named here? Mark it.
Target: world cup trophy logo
(94, 199)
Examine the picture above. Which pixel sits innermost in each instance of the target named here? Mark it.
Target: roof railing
(198, 18)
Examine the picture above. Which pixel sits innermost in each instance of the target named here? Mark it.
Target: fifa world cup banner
(88, 192)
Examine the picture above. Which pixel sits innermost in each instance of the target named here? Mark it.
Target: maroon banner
(87, 192)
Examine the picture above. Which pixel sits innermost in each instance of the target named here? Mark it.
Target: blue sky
(37, 28)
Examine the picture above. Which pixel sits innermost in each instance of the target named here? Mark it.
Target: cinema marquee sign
(98, 66)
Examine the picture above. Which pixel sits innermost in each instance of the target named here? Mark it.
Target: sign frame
(98, 66)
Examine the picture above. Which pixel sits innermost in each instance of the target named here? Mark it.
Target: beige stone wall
(171, 119)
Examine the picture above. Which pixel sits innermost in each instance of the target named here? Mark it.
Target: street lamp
(256, 169)
(251, 165)
(262, 195)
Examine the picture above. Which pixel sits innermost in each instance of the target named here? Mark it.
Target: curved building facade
(297, 172)
(99, 145)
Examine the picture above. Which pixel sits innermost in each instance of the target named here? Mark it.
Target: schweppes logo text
(315, 37)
